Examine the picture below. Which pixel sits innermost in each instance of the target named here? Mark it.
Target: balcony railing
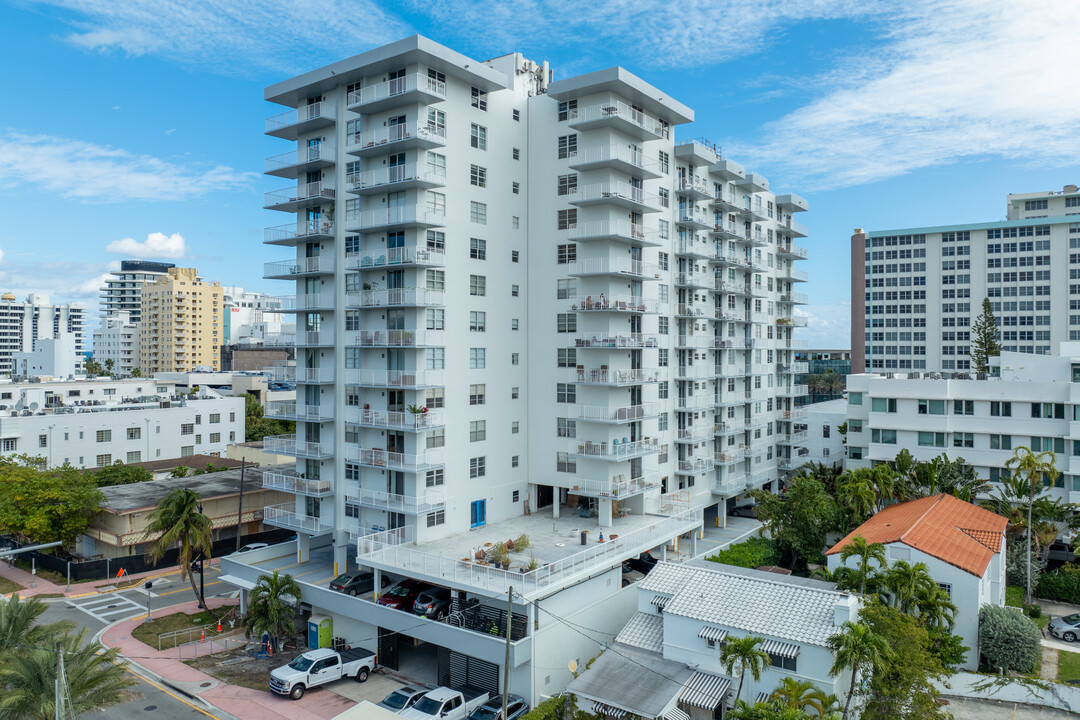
(727, 286)
(287, 445)
(290, 163)
(798, 368)
(404, 216)
(285, 516)
(377, 457)
(794, 274)
(617, 114)
(603, 340)
(619, 193)
(401, 338)
(395, 420)
(694, 186)
(310, 301)
(759, 478)
(695, 372)
(692, 279)
(795, 414)
(694, 465)
(697, 401)
(398, 378)
(407, 504)
(395, 297)
(729, 455)
(291, 234)
(409, 174)
(687, 216)
(303, 266)
(616, 487)
(388, 139)
(696, 433)
(290, 410)
(793, 321)
(287, 124)
(301, 195)
(616, 156)
(729, 315)
(730, 427)
(796, 298)
(792, 251)
(315, 375)
(621, 230)
(616, 303)
(615, 450)
(293, 483)
(630, 413)
(605, 376)
(793, 390)
(693, 246)
(701, 342)
(614, 266)
(391, 257)
(397, 88)
(314, 338)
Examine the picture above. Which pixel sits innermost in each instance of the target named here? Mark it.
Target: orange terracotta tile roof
(941, 526)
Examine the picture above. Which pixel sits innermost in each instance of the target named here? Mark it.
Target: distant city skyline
(132, 134)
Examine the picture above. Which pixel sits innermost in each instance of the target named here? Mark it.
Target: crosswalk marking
(108, 608)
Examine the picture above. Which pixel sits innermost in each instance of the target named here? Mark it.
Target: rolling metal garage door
(458, 670)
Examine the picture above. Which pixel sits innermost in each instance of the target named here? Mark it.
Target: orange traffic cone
(203, 638)
(269, 648)
(219, 624)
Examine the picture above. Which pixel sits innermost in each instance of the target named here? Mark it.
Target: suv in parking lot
(433, 603)
(356, 583)
(403, 595)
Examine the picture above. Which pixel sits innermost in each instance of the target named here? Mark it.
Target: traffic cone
(203, 637)
(269, 648)
(219, 624)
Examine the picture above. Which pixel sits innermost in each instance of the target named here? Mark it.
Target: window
(435, 358)
(515, 392)
(514, 256)
(106, 435)
(11, 445)
(889, 405)
(477, 430)
(568, 184)
(517, 115)
(963, 440)
(479, 99)
(565, 427)
(784, 663)
(565, 254)
(215, 437)
(565, 393)
(566, 322)
(665, 162)
(479, 137)
(436, 518)
(516, 188)
(855, 398)
(931, 439)
(43, 441)
(477, 358)
(478, 285)
(514, 427)
(435, 279)
(963, 407)
(514, 291)
(436, 398)
(477, 394)
(434, 478)
(1048, 410)
(215, 418)
(926, 407)
(477, 321)
(567, 109)
(1000, 409)
(104, 460)
(566, 357)
(477, 467)
(886, 437)
(478, 213)
(134, 456)
(567, 146)
(1001, 442)
(515, 358)
(564, 463)
(517, 154)
(478, 176)
(567, 219)
(436, 318)
(134, 433)
(513, 323)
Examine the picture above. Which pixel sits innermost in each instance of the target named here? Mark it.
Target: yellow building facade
(182, 323)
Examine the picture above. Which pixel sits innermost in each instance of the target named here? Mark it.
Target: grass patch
(7, 586)
(1068, 666)
(751, 553)
(148, 632)
(45, 596)
(1014, 596)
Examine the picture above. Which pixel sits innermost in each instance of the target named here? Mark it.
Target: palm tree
(179, 519)
(903, 584)
(865, 552)
(19, 626)
(93, 679)
(803, 694)
(845, 578)
(934, 607)
(1033, 467)
(855, 647)
(835, 383)
(269, 611)
(109, 364)
(745, 653)
(856, 493)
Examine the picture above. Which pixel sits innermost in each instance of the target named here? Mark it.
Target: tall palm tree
(179, 520)
(903, 584)
(93, 679)
(745, 653)
(856, 493)
(883, 478)
(835, 383)
(1032, 467)
(865, 552)
(19, 626)
(934, 606)
(845, 578)
(272, 607)
(803, 694)
(854, 648)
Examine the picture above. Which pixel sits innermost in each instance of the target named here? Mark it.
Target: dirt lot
(237, 667)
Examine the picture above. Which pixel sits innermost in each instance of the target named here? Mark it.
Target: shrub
(1062, 584)
(1035, 611)
(1008, 639)
(751, 553)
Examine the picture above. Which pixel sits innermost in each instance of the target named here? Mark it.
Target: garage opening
(545, 496)
(458, 670)
(408, 656)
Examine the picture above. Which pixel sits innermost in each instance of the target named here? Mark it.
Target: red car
(403, 595)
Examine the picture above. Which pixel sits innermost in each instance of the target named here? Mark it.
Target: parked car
(443, 703)
(403, 595)
(252, 546)
(749, 511)
(433, 603)
(318, 667)
(1067, 627)
(405, 697)
(356, 583)
(643, 563)
(492, 709)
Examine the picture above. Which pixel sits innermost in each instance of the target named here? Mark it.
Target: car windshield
(399, 591)
(301, 663)
(1072, 619)
(428, 706)
(342, 579)
(395, 700)
(484, 712)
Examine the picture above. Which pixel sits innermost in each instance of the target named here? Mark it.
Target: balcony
(290, 410)
(790, 344)
(727, 232)
(729, 398)
(285, 516)
(754, 238)
(622, 194)
(293, 483)
(617, 231)
(759, 479)
(618, 116)
(694, 465)
(287, 445)
(292, 124)
(729, 315)
(796, 368)
(794, 438)
(292, 235)
(730, 455)
(622, 266)
(396, 420)
(729, 427)
(793, 321)
(304, 195)
(728, 170)
(696, 188)
(615, 415)
(792, 251)
(726, 203)
(413, 89)
(795, 298)
(694, 219)
(695, 434)
(694, 372)
(392, 502)
(696, 280)
(399, 177)
(699, 401)
(295, 163)
(693, 311)
(795, 414)
(305, 303)
(698, 342)
(418, 256)
(616, 157)
(396, 138)
(610, 341)
(792, 274)
(616, 303)
(612, 378)
(729, 258)
(379, 458)
(395, 297)
(617, 487)
(793, 228)
(759, 369)
(615, 451)
(314, 338)
(695, 248)
(733, 483)
(791, 391)
(753, 182)
(407, 379)
(396, 218)
(315, 376)
(291, 269)
(732, 288)
(401, 338)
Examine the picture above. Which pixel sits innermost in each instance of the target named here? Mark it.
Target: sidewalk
(243, 703)
(45, 587)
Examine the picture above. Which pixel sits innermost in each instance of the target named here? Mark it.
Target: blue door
(478, 515)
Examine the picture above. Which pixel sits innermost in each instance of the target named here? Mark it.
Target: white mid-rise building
(22, 324)
(94, 423)
(117, 339)
(521, 306)
(823, 442)
(915, 292)
(123, 289)
(253, 315)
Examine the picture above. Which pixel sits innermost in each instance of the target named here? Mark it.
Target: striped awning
(781, 649)
(608, 710)
(674, 713)
(762, 697)
(713, 633)
(659, 601)
(704, 690)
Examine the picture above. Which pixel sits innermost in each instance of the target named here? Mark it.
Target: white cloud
(1, 255)
(157, 245)
(233, 36)
(953, 79)
(87, 171)
(827, 325)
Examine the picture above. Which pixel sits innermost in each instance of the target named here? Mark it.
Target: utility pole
(506, 664)
(240, 504)
(202, 576)
(56, 683)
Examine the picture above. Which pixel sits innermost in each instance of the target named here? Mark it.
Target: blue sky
(134, 129)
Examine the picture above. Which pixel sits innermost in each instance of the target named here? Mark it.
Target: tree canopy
(985, 342)
(45, 505)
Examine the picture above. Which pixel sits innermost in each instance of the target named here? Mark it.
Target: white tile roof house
(665, 663)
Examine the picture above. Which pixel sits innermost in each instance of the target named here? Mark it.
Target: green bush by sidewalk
(1062, 585)
(751, 553)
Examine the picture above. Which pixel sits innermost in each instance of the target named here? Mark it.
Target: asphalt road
(96, 611)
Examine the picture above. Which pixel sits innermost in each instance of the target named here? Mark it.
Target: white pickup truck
(446, 704)
(318, 667)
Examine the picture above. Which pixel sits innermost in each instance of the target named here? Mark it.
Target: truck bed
(348, 656)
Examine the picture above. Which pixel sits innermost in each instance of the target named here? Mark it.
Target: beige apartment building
(182, 327)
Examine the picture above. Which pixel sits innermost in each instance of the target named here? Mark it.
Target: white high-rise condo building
(22, 324)
(521, 307)
(915, 292)
(117, 339)
(123, 291)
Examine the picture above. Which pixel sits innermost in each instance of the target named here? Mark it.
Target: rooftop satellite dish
(33, 406)
(572, 665)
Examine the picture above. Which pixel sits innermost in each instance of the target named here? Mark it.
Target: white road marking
(102, 607)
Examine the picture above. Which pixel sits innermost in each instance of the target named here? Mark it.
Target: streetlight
(148, 585)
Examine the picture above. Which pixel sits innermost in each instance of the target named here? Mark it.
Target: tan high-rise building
(182, 326)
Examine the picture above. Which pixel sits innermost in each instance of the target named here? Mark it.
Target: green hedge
(751, 553)
(1062, 584)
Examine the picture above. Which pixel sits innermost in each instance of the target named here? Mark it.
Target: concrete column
(341, 552)
(663, 552)
(605, 512)
(303, 547)
(378, 582)
(243, 601)
(693, 544)
(555, 503)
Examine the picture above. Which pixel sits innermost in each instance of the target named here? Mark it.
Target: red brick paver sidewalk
(45, 587)
(243, 703)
